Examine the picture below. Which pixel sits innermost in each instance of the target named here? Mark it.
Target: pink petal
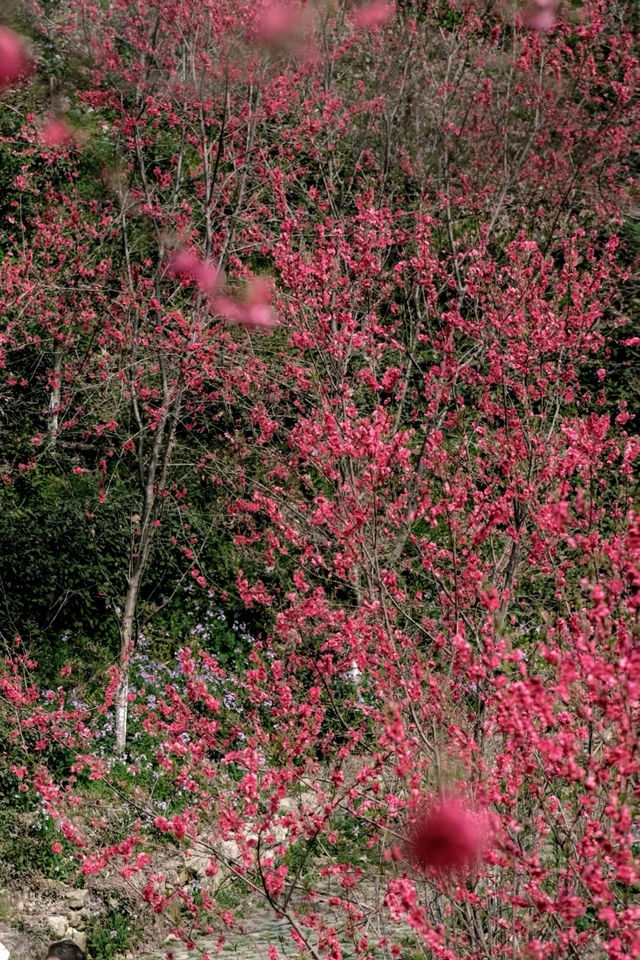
(259, 290)
(541, 15)
(56, 133)
(278, 23)
(206, 276)
(15, 63)
(256, 311)
(259, 312)
(228, 308)
(203, 272)
(183, 263)
(260, 315)
(373, 15)
(447, 838)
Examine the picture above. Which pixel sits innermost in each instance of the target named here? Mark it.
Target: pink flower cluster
(253, 310)
(15, 62)
(541, 14)
(448, 837)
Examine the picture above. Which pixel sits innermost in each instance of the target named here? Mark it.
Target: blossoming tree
(432, 748)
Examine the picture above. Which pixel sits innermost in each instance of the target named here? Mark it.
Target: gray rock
(77, 898)
(59, 926)
(78, 936)
(197, 862)
(228, 850)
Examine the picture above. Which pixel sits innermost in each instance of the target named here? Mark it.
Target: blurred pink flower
(541, 14)
(373, 15)
(278, 23)
(259, 312)
(56, 133)
(228, 308)
(254, 311)
(447, 838)
(15, 62)
(183, 263)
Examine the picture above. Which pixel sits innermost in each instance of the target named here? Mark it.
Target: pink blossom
(15, 63)
(56, 133)
(541, 14)
(259, 312)
(447, 838)
(228, 308)
(278, 23)
(373, 15)
(255, 311)
(490, 599)
(183, 263)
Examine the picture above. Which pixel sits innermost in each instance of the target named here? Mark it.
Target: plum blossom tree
(433, 749)
(135, 371)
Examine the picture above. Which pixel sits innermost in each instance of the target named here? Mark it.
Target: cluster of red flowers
(424, 482)
(254, 310)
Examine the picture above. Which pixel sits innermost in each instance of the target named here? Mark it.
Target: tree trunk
(159, 461)
(127, 645)
(54, 400)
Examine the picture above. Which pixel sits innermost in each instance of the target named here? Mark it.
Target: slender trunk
(153, 484)
(127, 646)
(54, 400)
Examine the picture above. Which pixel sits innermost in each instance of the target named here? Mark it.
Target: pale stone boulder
(59, 926)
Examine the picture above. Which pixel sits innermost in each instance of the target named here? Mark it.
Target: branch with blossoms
(429, 742)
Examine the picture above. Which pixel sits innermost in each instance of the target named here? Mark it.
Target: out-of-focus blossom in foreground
(283, 26)
(254, 311)
(373, 15)
(15, 62)
(186, 264)
(447, 838)
(56, 132)
(541, 14)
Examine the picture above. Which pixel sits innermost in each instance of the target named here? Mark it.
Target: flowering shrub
(362, 282)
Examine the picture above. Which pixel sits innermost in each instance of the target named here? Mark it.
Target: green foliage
(192, 619)
(110, 934)
(58, 566)
(232, 894)
(26, 840)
